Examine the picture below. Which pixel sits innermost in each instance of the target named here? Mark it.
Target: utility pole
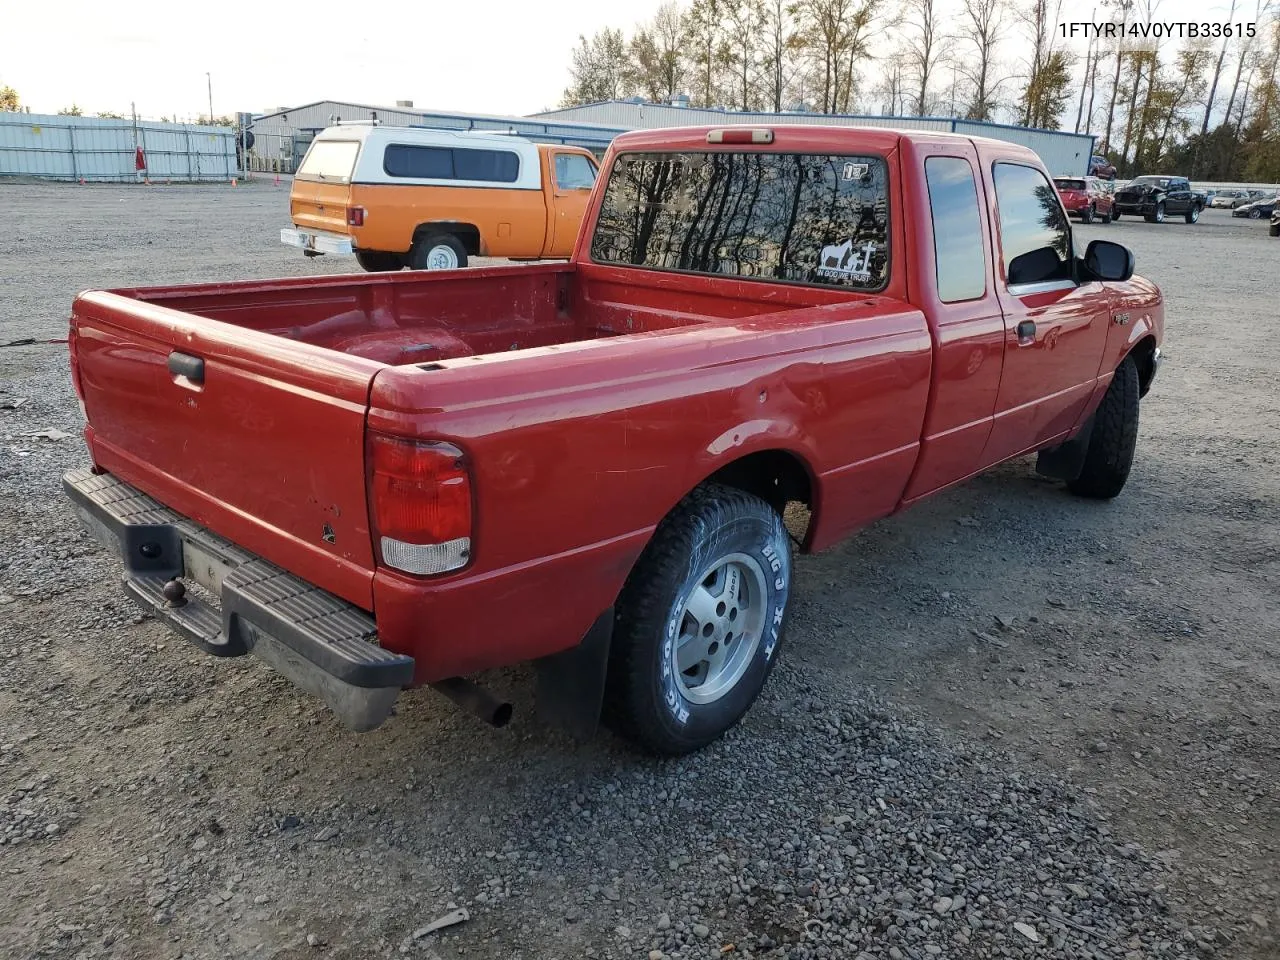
(209, 77)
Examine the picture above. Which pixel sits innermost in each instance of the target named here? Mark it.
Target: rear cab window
(330, 160)
(799, 218)
(1067, 183)
(1035, 236)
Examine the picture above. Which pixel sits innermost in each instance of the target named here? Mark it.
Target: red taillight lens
(355, 216)
(420, 504)
(740, 135)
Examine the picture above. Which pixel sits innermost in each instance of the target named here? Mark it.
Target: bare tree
(599, 69)
(706, 31)
(1217, 72)
(922, 48)
(1090, 65)
(744, 24)
(782, 40)
(656, 53)
(835, 33)
(983, 21)
(1039, 16)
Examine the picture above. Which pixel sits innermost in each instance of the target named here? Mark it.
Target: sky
(487, 56)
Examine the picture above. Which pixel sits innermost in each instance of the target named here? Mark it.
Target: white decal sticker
(842, 262)
(855, 171)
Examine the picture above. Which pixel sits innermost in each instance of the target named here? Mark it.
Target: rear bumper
(315, 241)
(229, 602)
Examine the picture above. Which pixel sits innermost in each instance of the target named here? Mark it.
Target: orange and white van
(429, 199)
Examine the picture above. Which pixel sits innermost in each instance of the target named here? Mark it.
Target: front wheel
(1109, 457)
(1255, 214)
(1193, 214)
(699, 622)
(375, 261)
(1157, 216)
(438, 251)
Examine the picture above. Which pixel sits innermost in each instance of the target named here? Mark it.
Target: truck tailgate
(317, 205)
(257, 437)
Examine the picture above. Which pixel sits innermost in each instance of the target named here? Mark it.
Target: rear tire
(1087, 215)
(438, 251)
(699, 622)
(376, 261)
(1275, 230)
(1115, 214)
(1255, 214)
(1115, 437)
(1193, 214)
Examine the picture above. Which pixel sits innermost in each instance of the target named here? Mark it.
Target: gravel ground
(1009, 723)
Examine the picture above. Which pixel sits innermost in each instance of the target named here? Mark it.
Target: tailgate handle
(185, 365)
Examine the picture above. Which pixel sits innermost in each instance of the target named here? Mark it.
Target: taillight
(355, 216)
(420, 504)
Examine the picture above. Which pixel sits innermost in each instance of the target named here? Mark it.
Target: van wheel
(1109, 457)
(376, 261)
(699, 621)
(438, 251)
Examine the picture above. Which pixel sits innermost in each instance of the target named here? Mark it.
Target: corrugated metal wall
(97, 150)
(280, 139)
(1063, 153)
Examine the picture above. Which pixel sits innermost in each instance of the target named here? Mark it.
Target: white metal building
(281, 138)
(1065, 154)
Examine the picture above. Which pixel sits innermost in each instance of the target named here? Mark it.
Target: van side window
(959, 260)
(1035, 238)
(445, 163)
(574, 172)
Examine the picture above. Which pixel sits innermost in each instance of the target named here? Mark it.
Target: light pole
(209, 77)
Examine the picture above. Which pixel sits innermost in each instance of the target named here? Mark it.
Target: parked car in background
(1086, 198)
(1157, 197)
(372, 483)
(1256, 209)
(1102, 168)
(429, 199)
(1229, 199)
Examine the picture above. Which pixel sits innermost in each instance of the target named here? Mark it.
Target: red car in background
(1086, 198)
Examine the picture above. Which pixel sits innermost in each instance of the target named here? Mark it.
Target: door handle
(1026, 333)
(185, 365)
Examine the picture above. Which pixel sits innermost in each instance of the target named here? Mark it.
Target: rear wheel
(1275, 230)
(438, 251)
(1255, 214)
(699, 621)
(1115, 214)
(1087, 214)
(375, 261)
(1114, 438)
(1193, 214)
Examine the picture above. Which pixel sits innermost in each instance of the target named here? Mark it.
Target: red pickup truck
(377, 482)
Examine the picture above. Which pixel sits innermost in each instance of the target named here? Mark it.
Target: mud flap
(1066, 460)
(570, 684)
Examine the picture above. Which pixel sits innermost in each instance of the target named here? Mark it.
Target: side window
(443, 163)
(495, 166)
(574, 172)
(1035, 238)
(959, 260)
(425, 163)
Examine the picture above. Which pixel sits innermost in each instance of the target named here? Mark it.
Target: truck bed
(420, 318)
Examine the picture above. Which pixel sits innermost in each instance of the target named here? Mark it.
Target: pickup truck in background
(1156, 197)
(428, 199)
(379, 482)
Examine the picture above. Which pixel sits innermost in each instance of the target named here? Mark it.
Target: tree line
(1210, 111)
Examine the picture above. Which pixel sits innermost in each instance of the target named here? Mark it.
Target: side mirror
(1109, 261)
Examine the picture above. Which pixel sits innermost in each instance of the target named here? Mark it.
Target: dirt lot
(1008, 723)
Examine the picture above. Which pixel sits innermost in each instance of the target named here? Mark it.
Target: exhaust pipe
(475, 699)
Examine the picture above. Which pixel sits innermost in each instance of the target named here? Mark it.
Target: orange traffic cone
(82, 181)
(277, 183)
(233, 181)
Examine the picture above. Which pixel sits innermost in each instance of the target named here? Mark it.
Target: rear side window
(1033, 227)
(960, 262)
(450, 163)
(812, 219)
(574, 172)
(330, 160)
